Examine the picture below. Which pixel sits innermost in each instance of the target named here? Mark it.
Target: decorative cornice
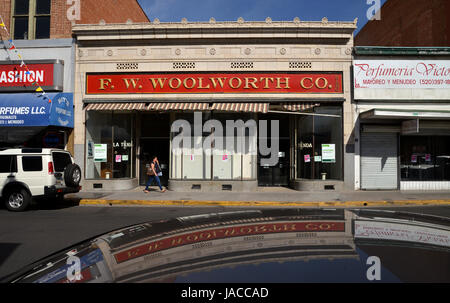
(212, 29)
(401, 51)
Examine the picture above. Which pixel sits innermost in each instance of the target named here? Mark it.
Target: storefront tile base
(112, 184)
(425, 185)
(317, 185)
(213, 186)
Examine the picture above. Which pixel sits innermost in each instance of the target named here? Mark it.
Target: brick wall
(91, 12)
(5, 12)
(60, 26)
(408, 23)
(111, 11)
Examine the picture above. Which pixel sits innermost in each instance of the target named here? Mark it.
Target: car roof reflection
(168, 249)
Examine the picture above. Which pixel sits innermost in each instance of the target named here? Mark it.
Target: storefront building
(402, 103)
(30, 116)
(169, 89)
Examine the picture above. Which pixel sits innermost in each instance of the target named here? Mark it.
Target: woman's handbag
(158, 170)
(150, 171)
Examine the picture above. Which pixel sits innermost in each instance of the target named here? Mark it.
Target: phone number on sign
(434, 82)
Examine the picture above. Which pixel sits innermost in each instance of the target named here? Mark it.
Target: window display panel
(228, 162)
(425, 158)
(123, 156)
(216, 161)
(188, 160)
(98, 145)
(109, 145)
(305, 147)
(319, 144)
(327, 144)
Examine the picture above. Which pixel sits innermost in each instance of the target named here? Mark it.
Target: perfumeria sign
(401, 74)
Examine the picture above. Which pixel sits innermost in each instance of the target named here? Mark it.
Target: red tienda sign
(16, 76)
(164, 83)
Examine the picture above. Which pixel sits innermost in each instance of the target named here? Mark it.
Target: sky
(259, 10)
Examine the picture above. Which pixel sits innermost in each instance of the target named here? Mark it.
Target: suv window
(8, 164)
(32, 163)
(61, 160)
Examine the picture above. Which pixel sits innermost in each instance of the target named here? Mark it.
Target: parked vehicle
(27, 173)
(259, 246)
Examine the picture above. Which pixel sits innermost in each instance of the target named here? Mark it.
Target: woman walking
(153, 173)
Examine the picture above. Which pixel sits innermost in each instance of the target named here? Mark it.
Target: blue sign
(32, 110)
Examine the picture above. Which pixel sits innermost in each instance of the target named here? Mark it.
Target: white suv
(36, 172)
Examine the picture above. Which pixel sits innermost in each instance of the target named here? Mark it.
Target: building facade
(402, 105)
(37, 60)
(408, 23)
(169, 89)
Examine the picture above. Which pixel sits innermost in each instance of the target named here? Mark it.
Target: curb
(264, 203)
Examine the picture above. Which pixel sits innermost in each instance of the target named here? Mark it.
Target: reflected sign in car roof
(291, 245)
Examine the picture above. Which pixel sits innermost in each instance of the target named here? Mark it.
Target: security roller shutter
(379, 167)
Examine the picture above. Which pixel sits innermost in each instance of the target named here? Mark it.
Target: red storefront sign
(181, 83)
(221, 233)
(17, 76)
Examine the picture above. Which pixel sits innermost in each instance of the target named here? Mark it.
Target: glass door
(277, 175)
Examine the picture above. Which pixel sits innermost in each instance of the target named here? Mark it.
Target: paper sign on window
(328, 153)
(100, 152)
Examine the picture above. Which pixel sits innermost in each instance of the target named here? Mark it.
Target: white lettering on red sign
(21, 76)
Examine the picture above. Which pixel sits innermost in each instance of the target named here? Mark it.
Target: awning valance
(179, 106)
(191, 106)
(116, 106)
(297, 106)
(404, 114)
(241, 107)
(135, 106)
(255, 107)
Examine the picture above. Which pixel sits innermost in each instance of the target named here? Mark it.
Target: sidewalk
(265, 196)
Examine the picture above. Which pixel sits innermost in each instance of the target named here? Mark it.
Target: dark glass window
(43, 7)
(319, 144)
(20, 28)
(122, 145)
(32, 21)
(110, 145)
(305, 146)
(42, 27)
(60, 161)
(32, 163)
(21, 7)
(425, 158)
(8, 164)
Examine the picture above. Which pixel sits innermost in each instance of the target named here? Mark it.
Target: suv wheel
(17, 200)
(72, 175)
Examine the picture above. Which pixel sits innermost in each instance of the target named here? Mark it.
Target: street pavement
(29, 236)
(278, 196)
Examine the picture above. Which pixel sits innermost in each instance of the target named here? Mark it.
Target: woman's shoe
(146, 191)
(164, 190)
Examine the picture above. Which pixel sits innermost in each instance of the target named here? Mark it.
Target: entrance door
(154, 141)
(277, 175)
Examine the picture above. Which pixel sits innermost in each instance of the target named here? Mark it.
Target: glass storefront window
(109, 145)
(425, 158)
(189, 161)
(196, 163)
(319, 144)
